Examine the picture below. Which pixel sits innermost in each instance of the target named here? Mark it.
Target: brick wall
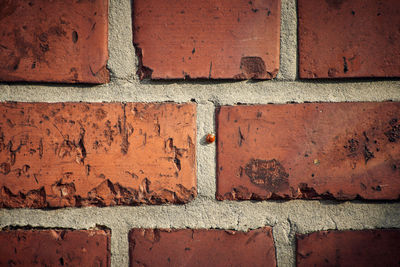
(106, 156)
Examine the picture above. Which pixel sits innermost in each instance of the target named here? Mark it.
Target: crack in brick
(178, 152)
(68, 147)
(241, 137)
(124, 132)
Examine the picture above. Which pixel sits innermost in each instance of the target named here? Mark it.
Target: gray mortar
(288, 50)
(286, 217)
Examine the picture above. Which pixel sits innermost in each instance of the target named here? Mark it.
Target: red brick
(54, 248)
(80, 154)
(188, 247)
(312, 151)
(356, 38)
(207, 39)
(65, 41)
(349, 248)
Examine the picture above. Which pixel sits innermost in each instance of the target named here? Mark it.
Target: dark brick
(55, 248)
(311, 151)
(358, 38)
(349, 248)
(188, 247)
(65, 41)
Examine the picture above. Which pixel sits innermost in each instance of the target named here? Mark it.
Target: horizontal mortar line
(130, 215)
(276, 92)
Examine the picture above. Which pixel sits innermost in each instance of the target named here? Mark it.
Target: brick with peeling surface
(229, 39)
(55, 248)
(61, 41)
(358, 38)
(349, 248)
(310, 151)
(81, 154)
(154, 247)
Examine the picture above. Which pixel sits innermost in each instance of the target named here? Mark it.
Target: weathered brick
(349, 248)
(54, 248)
(65, 41)
(229, 39)
(80, 154)
(357, 38)
(312, 151)
(188, 247)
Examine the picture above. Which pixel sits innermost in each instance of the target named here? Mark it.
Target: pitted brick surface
(349, 248)
(357, 38)
(311, 151)
(207, 39)
(61, 41)
(80, 154)
(55, 248)
(153, 247)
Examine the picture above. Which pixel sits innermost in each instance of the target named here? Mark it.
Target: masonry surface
(99, 154)
(286, 218)
(69, 45)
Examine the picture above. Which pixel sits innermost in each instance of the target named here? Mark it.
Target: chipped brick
(82, 154)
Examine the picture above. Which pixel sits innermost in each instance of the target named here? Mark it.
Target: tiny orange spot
(210, 138)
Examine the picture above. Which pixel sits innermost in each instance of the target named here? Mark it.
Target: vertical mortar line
(122, 57)
(288, 42)
(285, 243)
(119, 246)
(206, 153)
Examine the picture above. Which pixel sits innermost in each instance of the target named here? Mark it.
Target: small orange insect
(210, 138)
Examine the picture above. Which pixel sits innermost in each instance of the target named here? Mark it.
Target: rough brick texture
(312, 151)
(188, 247)
(229, 39)
(65, 41)
(55, 248)
(349, 248)
(80, 154)
(358, 38)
